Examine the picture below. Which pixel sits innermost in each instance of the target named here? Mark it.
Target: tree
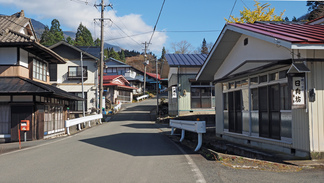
(163, 53)
(122, 55)
(111, 53)
(294, 19)
(97, 42)
(52, 35)
(47, 37)
(56, 31)
(182, 47)
(83, 36)
(262, 12)
(70, 40)
(315, 9)
(204, 49)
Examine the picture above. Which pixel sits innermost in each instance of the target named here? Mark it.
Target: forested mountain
(40, 27)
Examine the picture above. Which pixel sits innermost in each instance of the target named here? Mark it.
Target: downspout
(178, 89)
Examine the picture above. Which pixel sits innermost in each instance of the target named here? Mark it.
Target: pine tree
(122, 55)
(70, 40)
(113, 54)
(204, 49)
(163, 53)
(83, 36)
(315, 9)
(47, 37)
(97, 42)
(56, 31)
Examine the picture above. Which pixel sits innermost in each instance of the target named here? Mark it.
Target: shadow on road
(141, 125)
(136, 144)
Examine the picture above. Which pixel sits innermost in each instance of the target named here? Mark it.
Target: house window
(77, 105)
(263, 109)
(201, 97)
(75, 72)
(111, 70)
(39, 70)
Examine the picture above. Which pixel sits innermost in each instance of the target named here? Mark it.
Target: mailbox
(24, 125)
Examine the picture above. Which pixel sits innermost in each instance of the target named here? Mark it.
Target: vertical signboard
(174, 92)
(298, 93)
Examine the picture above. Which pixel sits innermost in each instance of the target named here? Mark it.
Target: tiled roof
(294, 33)
(190, 60)
(17, 30)
(11, 27)
(18, 85)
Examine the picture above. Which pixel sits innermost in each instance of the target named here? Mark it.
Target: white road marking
(199, 176)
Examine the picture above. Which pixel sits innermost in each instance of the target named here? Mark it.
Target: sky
(132, 21)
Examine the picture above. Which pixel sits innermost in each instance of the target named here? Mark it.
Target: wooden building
(25, 93)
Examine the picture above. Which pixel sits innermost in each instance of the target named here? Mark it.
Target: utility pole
(146, 62)
(102, 5)
(157, 89)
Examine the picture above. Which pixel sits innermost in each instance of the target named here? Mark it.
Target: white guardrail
(142, 97)
(117, 107)
(193, 126)
(77, 121)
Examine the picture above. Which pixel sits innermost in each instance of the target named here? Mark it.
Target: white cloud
(72, 13)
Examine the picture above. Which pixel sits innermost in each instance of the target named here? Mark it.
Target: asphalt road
(129, 148)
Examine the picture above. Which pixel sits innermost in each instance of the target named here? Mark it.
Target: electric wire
(156, 22)
(232, 10)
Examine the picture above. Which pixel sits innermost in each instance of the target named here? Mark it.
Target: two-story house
(69, 76)
(132, 75)
(25, 93)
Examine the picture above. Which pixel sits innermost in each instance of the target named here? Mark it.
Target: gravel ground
(239, 162)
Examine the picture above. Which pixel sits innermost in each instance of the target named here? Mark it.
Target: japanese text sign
(298, 93)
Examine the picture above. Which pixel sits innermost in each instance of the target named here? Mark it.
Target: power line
(156, 22)
(191, 31)
(126, 33)
(232, 10)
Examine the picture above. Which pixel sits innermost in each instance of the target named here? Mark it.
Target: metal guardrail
(142, 97)
(193, 126)
(77, 121)
(117, 107)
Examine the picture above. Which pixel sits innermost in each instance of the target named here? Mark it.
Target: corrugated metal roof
(18, 85)
(190, 60)
(294, 33)
(92, 50)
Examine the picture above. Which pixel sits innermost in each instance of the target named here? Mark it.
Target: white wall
(8, 56)
(75, 85)
(261, 50)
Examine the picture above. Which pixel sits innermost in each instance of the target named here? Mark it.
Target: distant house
(186, 95)
(134, 76)
(25, 92)
(117, 89)
(268, 81)
(68, 76)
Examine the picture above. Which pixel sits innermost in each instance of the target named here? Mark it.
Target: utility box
(24, 125)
